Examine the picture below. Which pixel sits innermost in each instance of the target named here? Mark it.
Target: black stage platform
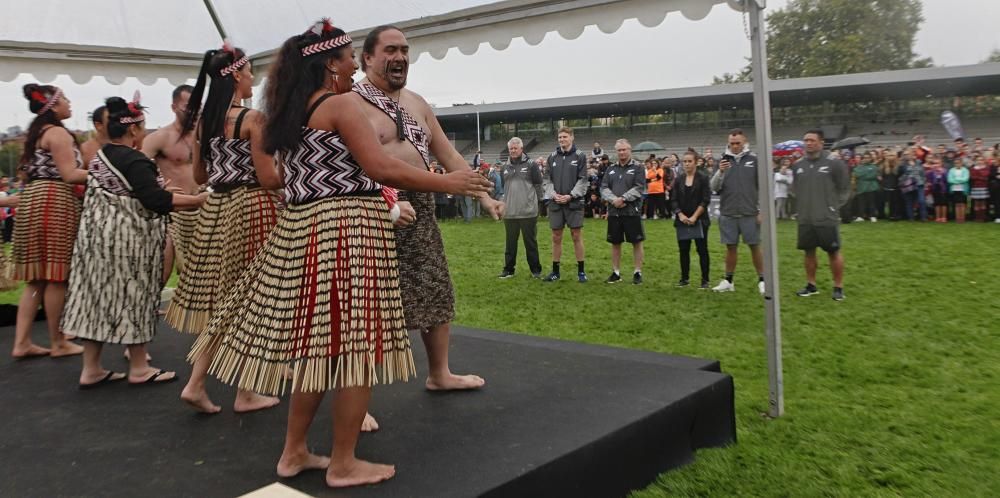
(555, 419)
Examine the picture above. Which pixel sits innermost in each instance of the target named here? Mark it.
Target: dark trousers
(895, 200)
(528, 227)
(866, 205)
(685, 254)
(656, 205)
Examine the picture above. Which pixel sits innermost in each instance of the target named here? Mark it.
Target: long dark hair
(118, 108)
(220, 95)
(291, 82)
(37, 96)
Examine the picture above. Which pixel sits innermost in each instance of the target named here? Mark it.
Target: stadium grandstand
(886, 107)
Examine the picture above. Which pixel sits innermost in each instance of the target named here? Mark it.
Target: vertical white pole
(479, 133)
(765, 176)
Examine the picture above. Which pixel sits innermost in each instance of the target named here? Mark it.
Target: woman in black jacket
(689, 203)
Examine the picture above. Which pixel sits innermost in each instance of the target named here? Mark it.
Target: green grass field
(893, 392)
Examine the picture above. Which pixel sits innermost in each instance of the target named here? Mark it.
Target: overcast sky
(678, 53)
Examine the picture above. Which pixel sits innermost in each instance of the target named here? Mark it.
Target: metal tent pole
(765, 176)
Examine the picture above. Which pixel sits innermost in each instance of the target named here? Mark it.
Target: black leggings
(685, 254)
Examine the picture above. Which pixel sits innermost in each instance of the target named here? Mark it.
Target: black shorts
(625, 228)
(824, 237)
(959, 198)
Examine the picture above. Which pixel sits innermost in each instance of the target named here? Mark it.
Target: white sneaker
(760, 287)
(724, 286)
(873, 219)
(859, 219)
(996, 220)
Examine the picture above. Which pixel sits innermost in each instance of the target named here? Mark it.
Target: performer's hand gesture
(494, 207)
(467, 182)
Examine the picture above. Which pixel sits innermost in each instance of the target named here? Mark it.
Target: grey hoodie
(822, 186)
(737, 186)
(521, 176)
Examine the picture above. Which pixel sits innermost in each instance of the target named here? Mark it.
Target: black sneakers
(614, 278)
(636, 278)
(683, 283)
(808, 290)
(505, 274)
(838, 294)
(551, 277)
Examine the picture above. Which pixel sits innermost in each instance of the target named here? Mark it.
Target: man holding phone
(736, 183)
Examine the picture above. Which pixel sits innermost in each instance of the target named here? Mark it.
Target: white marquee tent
(153, 39)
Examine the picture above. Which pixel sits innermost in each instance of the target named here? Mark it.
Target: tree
(823, 37)
(10, 157)
(993, 57)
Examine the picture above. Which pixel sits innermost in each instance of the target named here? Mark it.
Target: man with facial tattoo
(409, 131)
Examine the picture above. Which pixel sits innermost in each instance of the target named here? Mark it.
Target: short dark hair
(179, 91)
(737, 131)
(371, 40)
(98, 115)
(816, 131)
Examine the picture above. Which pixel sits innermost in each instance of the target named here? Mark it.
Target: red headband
(48, 103)
(135, 109)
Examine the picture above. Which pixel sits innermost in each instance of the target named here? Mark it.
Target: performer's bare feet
(369, 424)
(32, 351)
(65, 348)
(452, 382)
(248, 401)
(199, 400)
(291, 465)
(357, 473)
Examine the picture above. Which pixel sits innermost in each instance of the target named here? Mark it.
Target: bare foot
(32, 351)
(66, 348)
(358, 473)
(69, 337)
(292, 465)
(454, 382)
(247, 401)
(369, 424)
(199, 400)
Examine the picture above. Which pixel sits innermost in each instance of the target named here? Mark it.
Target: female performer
(47, 219)
(118, 255)
(323, 293)
(238, 216)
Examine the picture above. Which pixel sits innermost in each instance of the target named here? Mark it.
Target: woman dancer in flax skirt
(323, 293)
(118, 255)
(236, 219)
(47, 220)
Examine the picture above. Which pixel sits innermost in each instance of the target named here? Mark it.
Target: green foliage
(825, 37)
(993, 57)
(10, 156)
(892, 392)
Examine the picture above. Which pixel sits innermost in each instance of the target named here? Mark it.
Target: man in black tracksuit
(622, 187)
(822, 186)
(565, 182)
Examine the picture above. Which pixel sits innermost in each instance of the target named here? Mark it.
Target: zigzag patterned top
(322, 167)
(414, 133)
(44, 168)
(107, 177)
(230, 162)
